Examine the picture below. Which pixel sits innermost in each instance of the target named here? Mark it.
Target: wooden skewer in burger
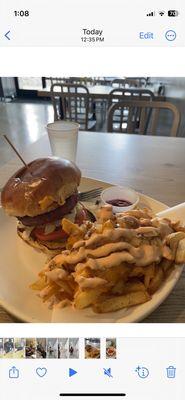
(39, 195)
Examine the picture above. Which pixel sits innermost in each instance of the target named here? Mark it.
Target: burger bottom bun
(49, 248)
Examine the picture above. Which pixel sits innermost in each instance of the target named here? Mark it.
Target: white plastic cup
(63, 137)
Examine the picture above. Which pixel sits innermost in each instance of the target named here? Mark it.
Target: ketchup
(119, 202)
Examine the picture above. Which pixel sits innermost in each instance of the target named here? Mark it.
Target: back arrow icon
(6, 35)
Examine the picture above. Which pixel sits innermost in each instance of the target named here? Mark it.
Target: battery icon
(173, 13)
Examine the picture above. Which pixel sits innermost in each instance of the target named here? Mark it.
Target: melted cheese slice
(46, 202)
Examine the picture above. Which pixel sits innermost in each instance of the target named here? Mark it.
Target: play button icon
(72, 372)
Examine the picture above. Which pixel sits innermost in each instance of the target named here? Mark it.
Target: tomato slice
(58, 234)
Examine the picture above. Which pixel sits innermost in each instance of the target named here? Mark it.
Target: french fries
(71, 228)
(149, 273)
(134, 286)
(119, 302)
(115, 263)
(87, 298)
(156, 281)
(39, 284)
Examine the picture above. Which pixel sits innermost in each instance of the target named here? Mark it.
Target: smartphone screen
(92, 200)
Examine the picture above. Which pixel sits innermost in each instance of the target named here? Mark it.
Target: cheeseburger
(39, 196)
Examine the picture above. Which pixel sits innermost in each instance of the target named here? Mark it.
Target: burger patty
(51, 216)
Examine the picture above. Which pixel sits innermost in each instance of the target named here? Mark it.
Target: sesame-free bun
(40, 188)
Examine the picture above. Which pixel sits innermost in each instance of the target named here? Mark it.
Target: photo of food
(41, 348)
(1, 348)
(56, 182)
(111, 348)
(96, 269)
(19, 347)
(30, 350)
(63, 348)
(92, 348)
(51, 348)
(91, 202)
(73, 348)
(8, 347)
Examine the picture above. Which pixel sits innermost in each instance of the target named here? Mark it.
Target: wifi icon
(161, 13)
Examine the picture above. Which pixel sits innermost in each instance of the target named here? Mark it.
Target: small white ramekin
(120, 192)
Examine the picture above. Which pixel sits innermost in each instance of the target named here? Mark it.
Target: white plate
(20, 264)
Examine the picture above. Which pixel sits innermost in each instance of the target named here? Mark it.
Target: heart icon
(41, 372)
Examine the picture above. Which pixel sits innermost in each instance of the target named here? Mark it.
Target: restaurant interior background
(26, 105)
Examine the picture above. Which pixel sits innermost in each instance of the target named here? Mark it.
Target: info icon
(142, 372)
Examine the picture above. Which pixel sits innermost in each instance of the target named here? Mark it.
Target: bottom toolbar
(143, 368)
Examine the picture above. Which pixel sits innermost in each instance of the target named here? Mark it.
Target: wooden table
(152, 165)
(103, 91)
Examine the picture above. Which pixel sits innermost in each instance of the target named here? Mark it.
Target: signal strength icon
(161, 13)
(151, 14)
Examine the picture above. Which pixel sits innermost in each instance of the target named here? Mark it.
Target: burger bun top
(40, 188)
